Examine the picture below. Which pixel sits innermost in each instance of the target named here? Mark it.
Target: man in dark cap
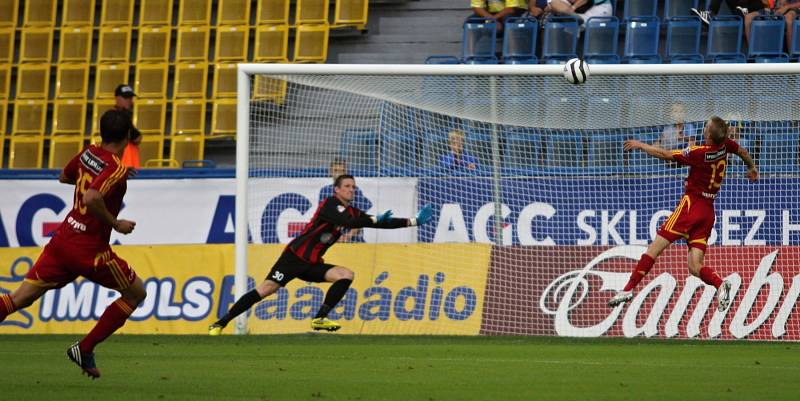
(123, 97)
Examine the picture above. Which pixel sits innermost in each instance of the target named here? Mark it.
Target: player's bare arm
(66, 180)
(752, 170)
(93, 200)
(662, 154)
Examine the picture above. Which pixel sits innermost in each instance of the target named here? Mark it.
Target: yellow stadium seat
(351, 13)
(117, 13)
(98, 108)
(72, 81)
(151, 80)
(161, 163)
(194, 12)
(269, 89)
(224, 80)
(29, 117)
(3, 122)
(233, 12)
(272, 42)
(153, 44)
(36, 45)
(231, 43)
(33, 81)
(5, 80)
(9, 9)
(25, 152)
(311, 12)
(311, 43)
(115, 45)
(191, 80)
(107, 77)
(223, 118)
(75, 45)
(78, 13)
(69, 117)
(186, 147)
(272, 12)
(150, 116)
(192, 44)
(188, 116)
(63, 149)
(2, 147)
(40, 13)
(151, 148)
(155, 12)
(6, 45)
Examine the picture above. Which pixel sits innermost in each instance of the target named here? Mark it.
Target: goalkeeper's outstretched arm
(331, 213)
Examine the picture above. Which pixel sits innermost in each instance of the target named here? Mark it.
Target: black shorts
(289, 266)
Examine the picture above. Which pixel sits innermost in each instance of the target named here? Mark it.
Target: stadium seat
(2, 142)
(272, 12)
(6, 45)
(779, 151)
(117, 13)
(772, 58)
(40, 13)
(606, 152)
(3, 122)
(683, 38)
(5, 80)
(223, 118)
(186, 147)
(150, 116)
(639, 8)
(272, 43)
(107, 78)
(564, 152)
(29, 117)
(560, 39)
(114, 45)
(98, 108)
(794, 48)
(311, 43)
(151, 80)
(478, 39)
(193, 44)
(523, 152)
(194, 12)
(351, 13)
(487, 60)
(269, 89)
(399, 154)
(519, 40)
(358, 146)
(231, 43)
(730, 59)
(151, 148)
(78, 13)
(63, 149)
(25, 151)
(680, 8)
(600, 40)
(33, 81)
(233, 12)
(224, 81)
(72, 81)
(434, 129)
(75, 45)
(153, 44)
(36, 45)
(442, 60)
(191, 80)
(724, 38)
(311, 12)
(641, 40)
(9, 10)
(155, 12)
(69, 117)
(766, 36)
(478, 141)
(188, 116)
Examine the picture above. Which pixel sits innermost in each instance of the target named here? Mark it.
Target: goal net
(539, 214)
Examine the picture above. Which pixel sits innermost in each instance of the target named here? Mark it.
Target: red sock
(642, 268)
(7, 306)
(113, 318)
(709, 276)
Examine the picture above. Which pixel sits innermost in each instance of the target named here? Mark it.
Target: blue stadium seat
(560, 39)
(794, 49)
(398, 153)
(519, 40)
(433, 129)
(442, 60)
(683, 40)
(523, 152)
(641, 40)
(600, 40)
(358, 146)
(606, 152)
(478, 40)
(639, 8)
(479, 142)
(779, 151)
(680, 8)
(730, 59)
(725, 39)
(482, 60)
(564, 152)
(772, 58)
(766, 36)
(607, 106)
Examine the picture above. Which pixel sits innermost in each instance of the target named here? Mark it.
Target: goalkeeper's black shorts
(289, 266)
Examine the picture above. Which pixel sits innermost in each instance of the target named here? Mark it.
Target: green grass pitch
(336, 367)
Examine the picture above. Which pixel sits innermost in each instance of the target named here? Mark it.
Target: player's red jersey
(98, 169)
(707, 166)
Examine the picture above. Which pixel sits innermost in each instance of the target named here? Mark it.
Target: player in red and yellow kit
(80, 245)
(694, 216)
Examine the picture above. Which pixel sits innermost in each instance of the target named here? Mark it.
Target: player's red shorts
(61, 263)
(691, 220)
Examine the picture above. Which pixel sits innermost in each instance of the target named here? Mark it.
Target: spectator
(339, 167)
(456, 159)
(123, 98)
(498, 9)
(788, 9)
(583, 9)
(744, 7)
(537, 8)
(678, 135)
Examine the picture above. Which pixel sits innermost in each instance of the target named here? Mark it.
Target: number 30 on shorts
(278, 276)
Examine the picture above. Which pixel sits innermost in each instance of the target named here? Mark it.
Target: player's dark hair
(338, 182)
(718, 129)
(115, 125)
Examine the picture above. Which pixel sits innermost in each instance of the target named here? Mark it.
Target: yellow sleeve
(517, 3)
(477, 3)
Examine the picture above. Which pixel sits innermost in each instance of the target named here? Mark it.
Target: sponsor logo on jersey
(92, 162)
(714, 156)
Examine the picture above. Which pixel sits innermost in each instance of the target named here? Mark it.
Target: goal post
(539, 214)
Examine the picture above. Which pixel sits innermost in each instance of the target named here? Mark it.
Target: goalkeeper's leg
(341, 277)
(266, 288)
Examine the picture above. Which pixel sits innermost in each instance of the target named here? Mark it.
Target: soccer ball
(576, 71)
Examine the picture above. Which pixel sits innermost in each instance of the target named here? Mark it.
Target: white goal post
(545, 215)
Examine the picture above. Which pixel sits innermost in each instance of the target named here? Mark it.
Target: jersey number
(717, 174)
(81, 186)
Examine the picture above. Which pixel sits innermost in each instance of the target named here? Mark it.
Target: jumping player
(302, 257)
(694, 216)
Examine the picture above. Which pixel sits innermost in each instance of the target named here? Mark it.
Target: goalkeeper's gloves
(383, 217)
(423, 216)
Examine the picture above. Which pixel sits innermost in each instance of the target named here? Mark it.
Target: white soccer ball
(576, 71)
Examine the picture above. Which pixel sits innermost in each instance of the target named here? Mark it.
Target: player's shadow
(22, 318)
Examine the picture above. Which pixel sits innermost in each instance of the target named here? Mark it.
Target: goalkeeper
(302, 257)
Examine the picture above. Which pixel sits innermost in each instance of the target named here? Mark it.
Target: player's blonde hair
(718, 129)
